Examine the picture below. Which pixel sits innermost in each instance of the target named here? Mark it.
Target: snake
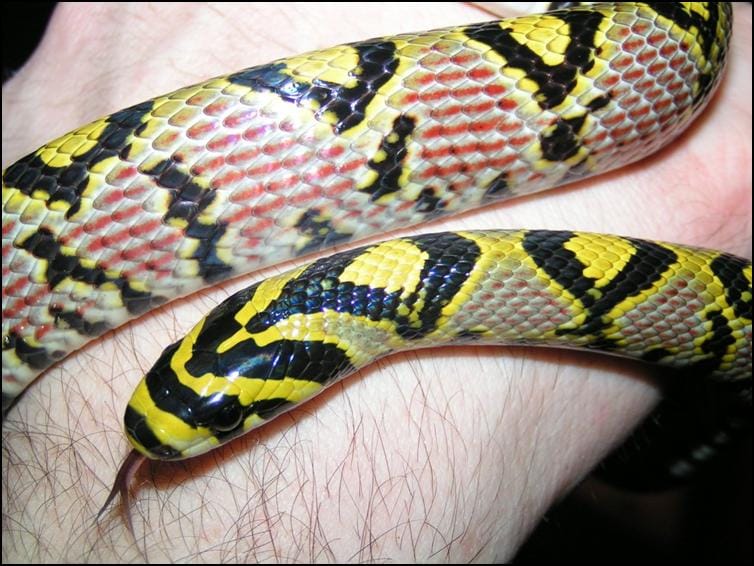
(288, 158)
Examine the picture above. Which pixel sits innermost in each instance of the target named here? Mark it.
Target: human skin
(444, 455)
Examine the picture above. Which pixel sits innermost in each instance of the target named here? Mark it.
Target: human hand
(451, 454)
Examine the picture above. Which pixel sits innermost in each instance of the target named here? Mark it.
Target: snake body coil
(275, 161)
(167, 196)
(281, 341)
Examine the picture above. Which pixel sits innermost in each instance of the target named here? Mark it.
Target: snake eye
(227, 418)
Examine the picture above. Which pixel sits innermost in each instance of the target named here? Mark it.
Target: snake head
(174, 415)
(228, 375)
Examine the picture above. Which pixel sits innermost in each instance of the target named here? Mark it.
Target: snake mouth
(143, 439)
(160, 435)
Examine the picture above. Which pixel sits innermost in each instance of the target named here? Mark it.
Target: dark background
(708, 520)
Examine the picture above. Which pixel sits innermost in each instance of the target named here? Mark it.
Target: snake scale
(280, 160)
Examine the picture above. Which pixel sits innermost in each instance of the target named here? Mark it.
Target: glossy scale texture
(165, 197)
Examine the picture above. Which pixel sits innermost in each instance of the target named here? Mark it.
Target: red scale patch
(507, 104)
(423, 78)
(434, 59)
(462, 58)
(661, 105)
(478, 147)
(253, 230)
(36, 297)
(257, 132)
(520, 141)
(621, 63)
(614, 119)
(450, 77)
(168, 242)
(113, 197)
(247, 194)
(677, 62)
(288, 126)
(645, 125)
(134, 253)
(218, 107)
(242, 155)
(124, 214)
(647, 56)
(639, 112)
(15, 288)
(448, 111)
(97, 225)
(610, 81)
(251, 242)
(686, 71)
(469, 109)
(140, 230)
(657, 38)
(455, 168)
(509, 126)
(410, 98)
(201, 130)
(622, 132)
(380, 210)
(201, 98)
(136, 191)
(287, 183)
(274, 204)
(480, 73)
(622, 32)
(239, 118)
(479, 127)
(668, 50)
(73, 235)
(263, 169)
(631, 100)
(534, 177)
(331, 152)
(640, 27)
(296, 160)
(494, 90)
(320, 173)
(680, 99)
(333, 190)
(597, 138)
(658, 67)
(273, 148)
(443, 131)
(304, 196)
(208, 166)
(352, 165)
(644, 84)
(633, 75)
(223, 143)
(229, 178)
(126, 173)
(238, 216)
(432, 95)
(42, 331)
(633, 45)
(665, 118)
